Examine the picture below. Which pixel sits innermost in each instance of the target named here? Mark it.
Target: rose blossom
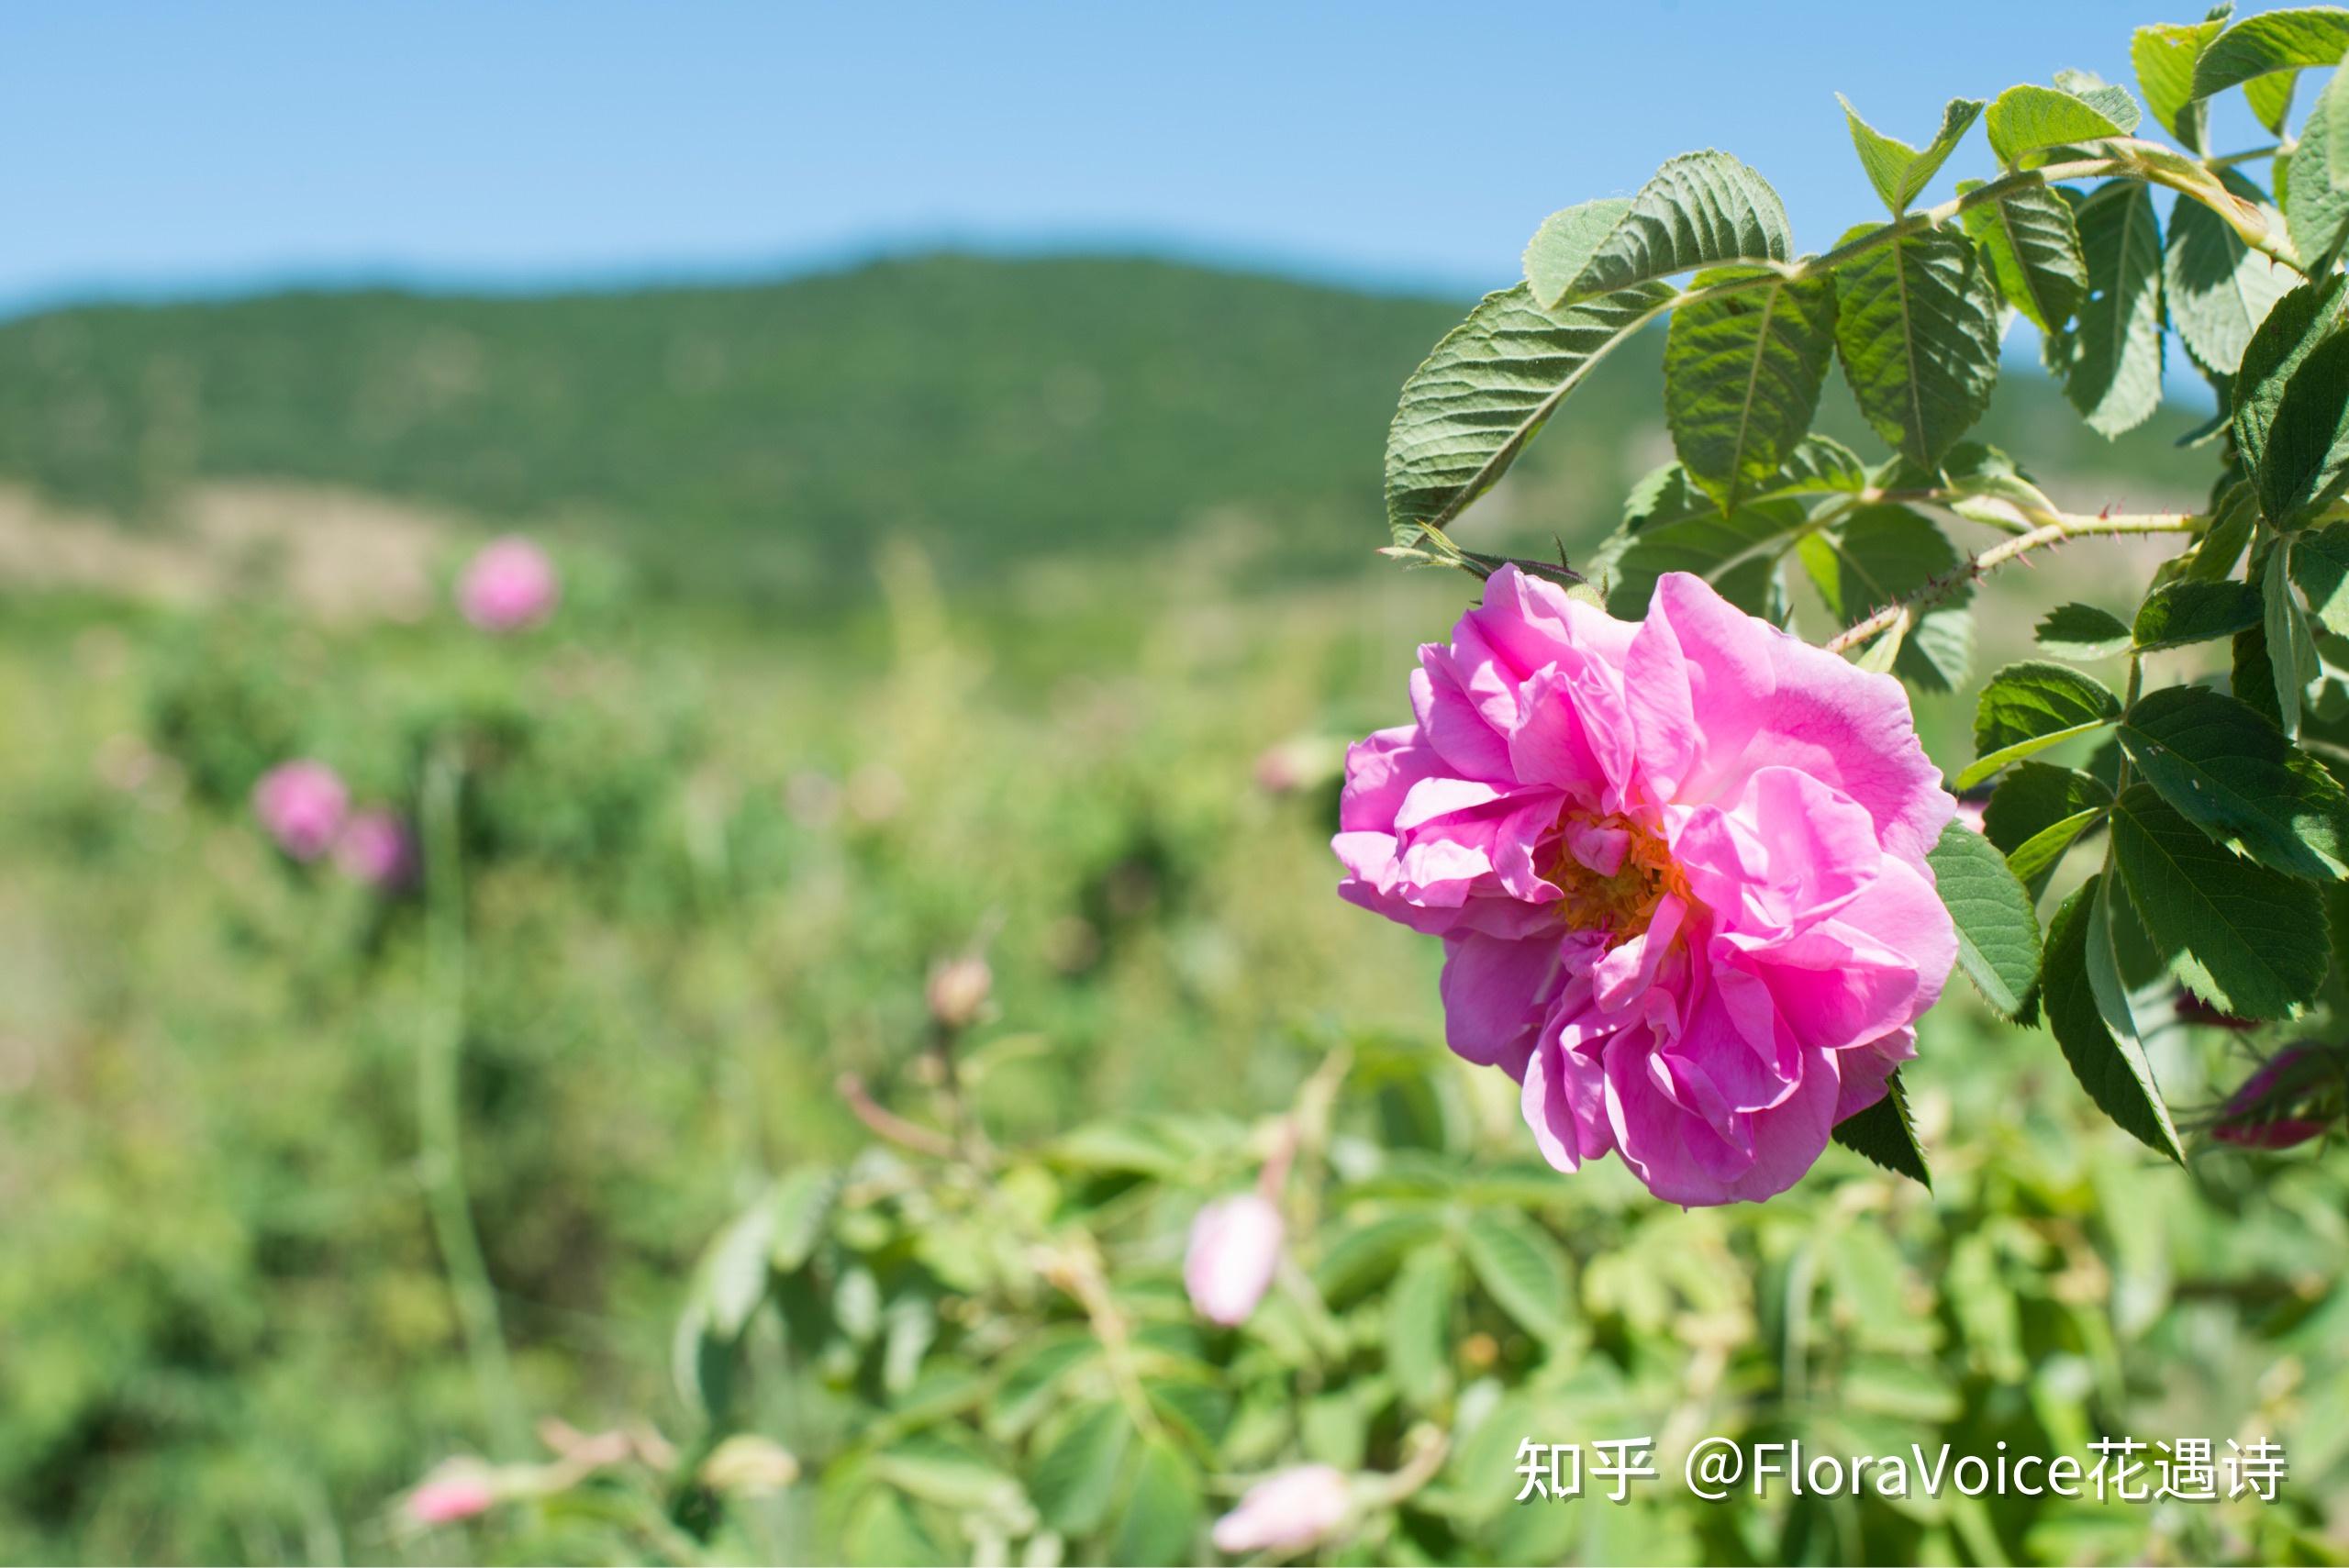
(376, 849)
(509, 586)
(301, 806)
(1285, 1512)
(1679, 870)
(1235, 1246)
(458, 1490)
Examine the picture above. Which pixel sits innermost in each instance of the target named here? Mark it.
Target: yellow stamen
(1620, 905)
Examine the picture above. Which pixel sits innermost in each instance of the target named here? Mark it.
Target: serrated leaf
(2335, 103)
(2227, 769)
(2034, 250)
(948, 1469)
(1076, 1475)
(1898, 171)
(2109, 99)
(2163, 57)
(1917, 328)
(2321, 566)
(2110, 360)
(1564, 243)
(2219, 289)
(2251, 675)
(2081, 631)
(1521, 1267)
(1742, 378)
(1361, 1255)
(1885, 553)
(801, 1201)
(1701, 209)
(2115, 1074)
(1884, 1135)
(1418, 1325)
(2222, 543)
(884, 1531)
(2304, 465)
(1160, 1519)
(2035, 859)
(2034, 796)
(2027, 118)
(2248, 940)
(2105, 982)
(2291, 652)
(2188, 611)
(2275, 41)
(1484, 391)
(2270, 97)
(1713, 547)
(1998, 935)
(2030, 706)
(2300, 323)
(2316, 207)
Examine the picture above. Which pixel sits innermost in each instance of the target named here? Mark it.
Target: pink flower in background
(1285, 1512)
(1679, 870)
(510, 585)
(459, 1490)
(2271, 1109)
(376, 849)
(1235, 1246)
(301, 805)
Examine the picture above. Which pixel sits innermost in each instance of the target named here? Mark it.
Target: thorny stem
(1997, 555)
(439, 1112)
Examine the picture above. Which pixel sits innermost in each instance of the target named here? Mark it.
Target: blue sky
(164, 149)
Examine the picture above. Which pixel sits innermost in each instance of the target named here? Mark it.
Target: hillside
(762, 436)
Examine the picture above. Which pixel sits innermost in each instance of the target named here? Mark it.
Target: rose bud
(1235, 1246)
(958, 990)
(301, 805)
(509, 586)
(461, 1489)
(1286, 1512)
(2270, 1108)
(376, 849)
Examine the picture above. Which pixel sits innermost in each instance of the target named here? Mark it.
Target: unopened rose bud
(2271, 1109)
(1286, 1512)
(1235, 1246)
(959, 989)
(376, 849)
(749, 1466)
(461, 1489)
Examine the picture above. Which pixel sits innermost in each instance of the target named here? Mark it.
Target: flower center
(1613, 873)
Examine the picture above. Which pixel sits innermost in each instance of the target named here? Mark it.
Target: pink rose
(1285, 1512)
(2272, 1108)
(1235, 1246)
(376, 849)
(301, 806)
(509, 586)
(1679, 870)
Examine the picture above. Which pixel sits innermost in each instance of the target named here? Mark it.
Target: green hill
(764, 435)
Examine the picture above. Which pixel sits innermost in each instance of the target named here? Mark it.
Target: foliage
(2225, 814)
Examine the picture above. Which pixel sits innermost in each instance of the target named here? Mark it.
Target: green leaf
(1884, 1134)
(2291, 651)
(2246, 940)
(951, 1471)
(2027, 118)
(1741, 379)
(2305, 465)
(2111, 101)
(2222, 543)
(2219, 289)
(1898, 171)
(1160, 1521)
(2115, 1073)
(2029, 707)
(2163, 56)
(1718, 547)
(1566, 240)
(2110, 360)
(1487, 389)
(2230, 773)
(2270, 97)
(2276, 40)
(1418, 1325)
(1701, 209)
(2316, 207)
(1360, 1255)
(1998, 936)
(1917, 328)
(2035, 859)
(2252, 677)
(1521, 1267)
(2188, 611)
(1818, 465)
(2082, 631)
(2321, 566)
(1075, 1477)
(2035, 796)
(800, 1202)
(2335, 104)
(2300, 322)
(1885, 553)
(2034, 251)
(884, 1531)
